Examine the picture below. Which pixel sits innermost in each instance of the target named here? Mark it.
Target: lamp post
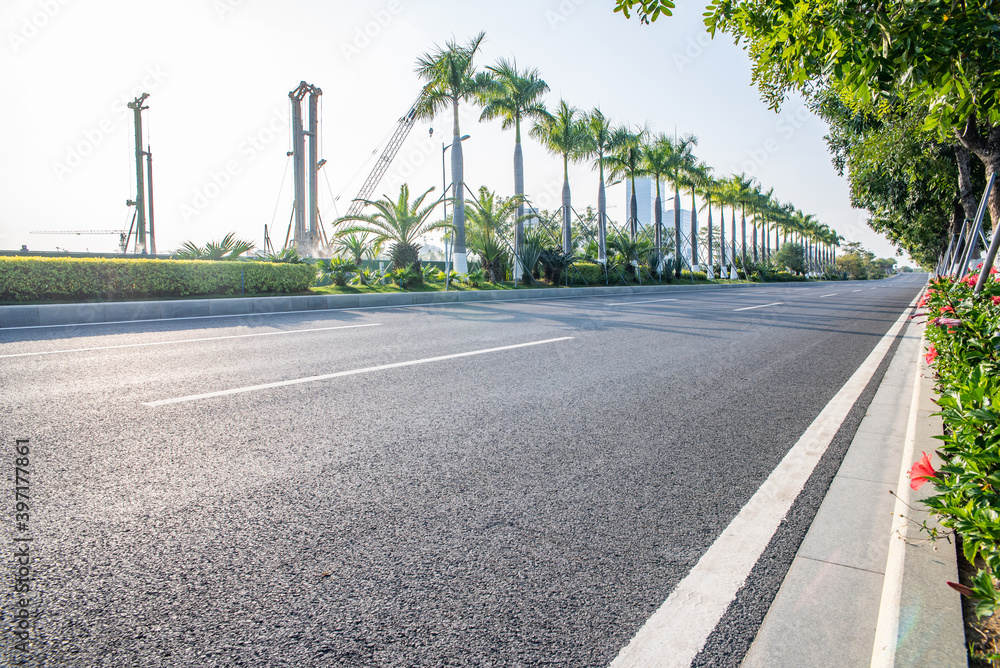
(444, 195)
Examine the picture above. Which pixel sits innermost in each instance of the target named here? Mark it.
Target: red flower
(921, 472)
(947, 322)
(931, 355)
(996, 301)
(947, 309)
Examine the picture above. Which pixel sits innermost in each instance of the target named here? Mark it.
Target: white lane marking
(887, 627)
(747, 308)
(644, 301)
(677, 631)
(207, 338)
(829, 295)
(855, 290)
(352, 372)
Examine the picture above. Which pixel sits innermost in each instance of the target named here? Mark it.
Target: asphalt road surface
(405, 486)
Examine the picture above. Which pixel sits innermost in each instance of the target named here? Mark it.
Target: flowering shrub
(964, 332)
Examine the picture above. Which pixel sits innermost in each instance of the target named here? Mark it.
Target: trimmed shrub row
(24, 279)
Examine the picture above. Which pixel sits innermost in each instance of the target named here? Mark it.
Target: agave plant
(555, 261)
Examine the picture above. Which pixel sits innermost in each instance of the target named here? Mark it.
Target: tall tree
(563, 133)
(625, 162)
(514, 95)
(602, 141)
(399, 222)
(681, 160)
(656, 162)
(451, 78)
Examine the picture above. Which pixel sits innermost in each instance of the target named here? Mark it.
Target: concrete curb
(46, 315)
(827, 609)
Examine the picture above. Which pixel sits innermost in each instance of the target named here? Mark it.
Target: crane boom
(77, 232)
(403, 128)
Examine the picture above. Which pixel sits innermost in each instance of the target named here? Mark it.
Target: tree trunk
(722, 240)
(743, 223)
(711, 273)
(458, 181)
(602, 209)
(658, 223)
(633, 212)
(694, 233)
(677, 230)
(567, 229)
(984, 142)
(518, 190)
(753, 224)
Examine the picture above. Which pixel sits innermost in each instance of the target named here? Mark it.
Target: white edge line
(340, 374)
(747, 308)
(644, 301)
(677, 631)
(832, 294)
(887, 627)
(206, 338)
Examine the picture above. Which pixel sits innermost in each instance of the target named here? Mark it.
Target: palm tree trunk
(658, 223)
(602, 208)
(754, 239)
(677, 229)
(633, 212)
(722, 239)
(567, 231)
(694, 233)
(743, 223)
(518, 190)
(458, 183)
(732, 257)
(711, 274)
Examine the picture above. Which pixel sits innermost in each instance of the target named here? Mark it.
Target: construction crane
(122, 241)
(403, 127)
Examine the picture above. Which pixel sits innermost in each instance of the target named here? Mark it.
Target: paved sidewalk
(845, 579)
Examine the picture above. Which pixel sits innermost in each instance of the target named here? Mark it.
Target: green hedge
(24, 279)
(591, 273)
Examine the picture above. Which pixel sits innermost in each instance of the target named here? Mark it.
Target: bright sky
(219, 71)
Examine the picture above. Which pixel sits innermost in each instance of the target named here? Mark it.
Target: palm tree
(692, 179)
(490, 218)
(451, 77)
(563, 134)
(514, 95)
(355, 245)
(400, 222)
(625, 162)
(681, 161)
(229, 248)
(602, 141)
(656, 156)
(743, 193)
(708, 188)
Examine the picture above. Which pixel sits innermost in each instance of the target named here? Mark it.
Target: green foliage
(286, 256)
(589, 273)
(791, 255)
(555, 262)
(25, 279)
(337, 270)
(405, 277)
(230, 248)
(475, 278)
(964, 332)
